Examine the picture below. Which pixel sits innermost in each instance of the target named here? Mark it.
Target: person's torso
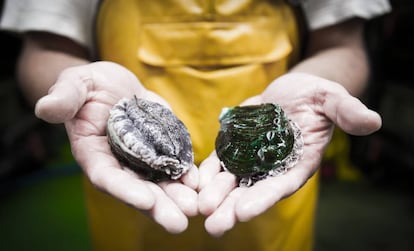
(201, 56)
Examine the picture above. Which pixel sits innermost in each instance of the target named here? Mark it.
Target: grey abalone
(149, 139)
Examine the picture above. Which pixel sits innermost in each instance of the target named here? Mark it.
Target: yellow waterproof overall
(201, 56)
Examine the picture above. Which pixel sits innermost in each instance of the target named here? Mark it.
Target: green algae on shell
(257, 141)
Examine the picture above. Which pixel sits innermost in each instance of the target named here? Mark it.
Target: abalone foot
(149, 139)
(172, 172)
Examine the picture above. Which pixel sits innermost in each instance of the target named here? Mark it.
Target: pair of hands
(83, 95)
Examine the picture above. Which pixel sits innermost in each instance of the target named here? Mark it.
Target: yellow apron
(201, 56)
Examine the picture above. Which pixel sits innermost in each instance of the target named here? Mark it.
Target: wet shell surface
(257, 141)
(149, 139)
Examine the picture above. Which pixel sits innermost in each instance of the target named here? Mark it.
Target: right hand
(316, 105)
(81, 99)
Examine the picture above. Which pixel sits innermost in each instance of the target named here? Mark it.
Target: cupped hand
(81, 99)
(316, 105)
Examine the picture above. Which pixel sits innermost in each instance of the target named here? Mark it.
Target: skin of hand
(80, 96)
(81, 99)
(316, 104)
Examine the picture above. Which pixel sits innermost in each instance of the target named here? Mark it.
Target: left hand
(316, 105)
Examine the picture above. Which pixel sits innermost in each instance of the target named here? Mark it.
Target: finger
(355, 118)
(105, 173)
(65, 97)
(166, 213)
(211, 196)
(123, 186)
(185, 197)
(208, 169)
(348, 112)
(191, 178)
(77, 84)
(224, 218)
(265, 193)
(337, 104)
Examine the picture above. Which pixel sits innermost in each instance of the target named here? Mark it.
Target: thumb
(65, 97)
(352, 116)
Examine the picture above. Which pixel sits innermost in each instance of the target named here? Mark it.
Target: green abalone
(257, 141)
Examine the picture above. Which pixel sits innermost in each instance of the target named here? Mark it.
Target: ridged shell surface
(257, 141)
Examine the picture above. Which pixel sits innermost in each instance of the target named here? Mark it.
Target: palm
(82, 98)
(315, 105)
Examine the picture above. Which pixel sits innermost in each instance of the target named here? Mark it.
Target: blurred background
(366, 197)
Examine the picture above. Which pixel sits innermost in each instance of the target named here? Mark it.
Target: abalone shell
(257, 141)
(149, 139)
